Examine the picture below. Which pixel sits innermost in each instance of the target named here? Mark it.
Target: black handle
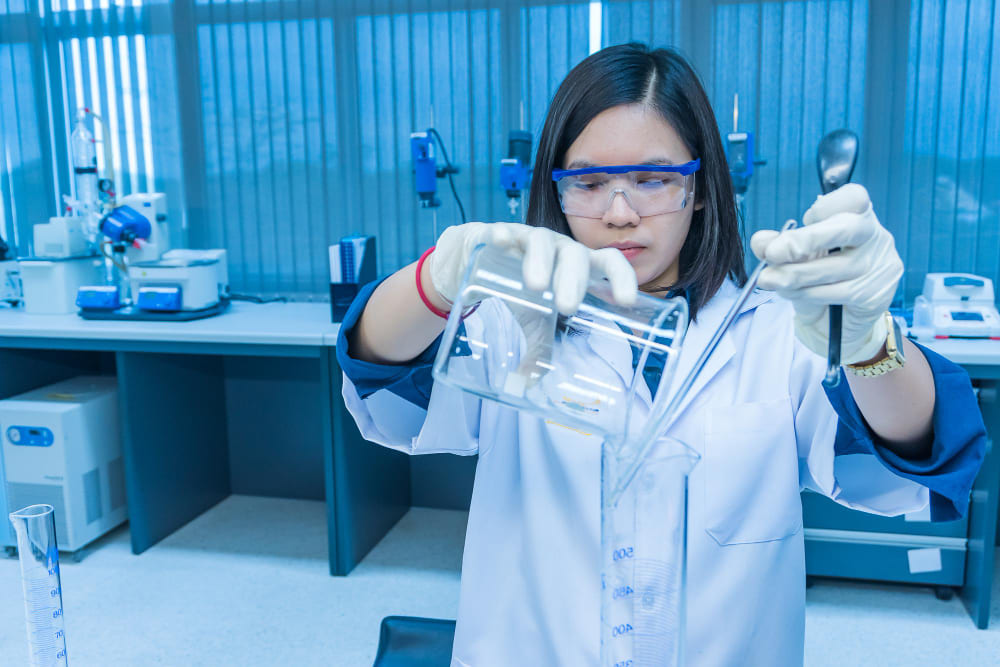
(832, 378)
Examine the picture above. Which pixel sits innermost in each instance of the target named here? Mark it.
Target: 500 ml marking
(624, 552)
(624, 663)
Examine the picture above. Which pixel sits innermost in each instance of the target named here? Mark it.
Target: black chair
(409, 641)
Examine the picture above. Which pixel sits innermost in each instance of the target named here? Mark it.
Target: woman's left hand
(862, 276)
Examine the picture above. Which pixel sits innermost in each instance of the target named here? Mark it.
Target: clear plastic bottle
(84, 164)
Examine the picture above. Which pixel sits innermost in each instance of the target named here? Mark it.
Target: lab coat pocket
(751, 473)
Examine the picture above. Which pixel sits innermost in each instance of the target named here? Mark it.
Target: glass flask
(596, 370)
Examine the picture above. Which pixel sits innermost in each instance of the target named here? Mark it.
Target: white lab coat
(764, 428)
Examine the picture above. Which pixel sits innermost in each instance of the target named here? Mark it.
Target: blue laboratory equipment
(166, 298)
(37, 549)
(741, 157)
(126, 225)
(426, 172)
(123, 226)
(515, 170)
(99, 297)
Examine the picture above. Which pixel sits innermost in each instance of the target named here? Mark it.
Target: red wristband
(423, 296)
(420, 288)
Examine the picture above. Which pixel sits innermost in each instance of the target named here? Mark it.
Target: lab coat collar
(619, 356)
(699, 333)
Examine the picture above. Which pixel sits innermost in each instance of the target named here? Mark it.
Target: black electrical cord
(257, 299)
(450, 170)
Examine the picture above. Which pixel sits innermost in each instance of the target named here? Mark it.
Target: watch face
(894, 344)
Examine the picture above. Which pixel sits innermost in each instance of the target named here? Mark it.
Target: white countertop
(303, 324)
(242, 323)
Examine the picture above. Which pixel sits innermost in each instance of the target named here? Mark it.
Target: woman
(664, 219)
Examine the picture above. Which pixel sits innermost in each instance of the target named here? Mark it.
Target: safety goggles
(650, 189)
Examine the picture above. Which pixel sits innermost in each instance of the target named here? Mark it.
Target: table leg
(367, 486)
(975, 593)
(174, 438)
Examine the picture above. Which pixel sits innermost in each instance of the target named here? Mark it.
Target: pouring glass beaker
(587, 371)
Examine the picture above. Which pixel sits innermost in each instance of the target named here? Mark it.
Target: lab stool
(409, 641)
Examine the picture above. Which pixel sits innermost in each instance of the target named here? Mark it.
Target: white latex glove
(862, 276)
(550, 260)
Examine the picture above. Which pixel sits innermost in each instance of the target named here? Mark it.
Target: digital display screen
(965, 316)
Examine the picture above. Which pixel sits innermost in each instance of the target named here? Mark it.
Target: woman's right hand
(550, 259)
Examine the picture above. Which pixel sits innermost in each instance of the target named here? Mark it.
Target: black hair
(662, 79)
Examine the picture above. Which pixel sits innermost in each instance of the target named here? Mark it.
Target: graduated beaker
(589, 370)
(644, 555)
(38, 552)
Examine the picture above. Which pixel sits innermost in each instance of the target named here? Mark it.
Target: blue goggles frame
(684, 169)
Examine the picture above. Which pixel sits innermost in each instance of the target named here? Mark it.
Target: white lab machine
(181, 280)
(61, 236)
(62, 447)
(50, 285)
(153, 206)
(956, 305)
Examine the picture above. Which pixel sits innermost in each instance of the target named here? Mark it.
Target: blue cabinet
(841, 542)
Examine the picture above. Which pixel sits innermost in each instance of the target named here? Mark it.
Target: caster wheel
(944, 593)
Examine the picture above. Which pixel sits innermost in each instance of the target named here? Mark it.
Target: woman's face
(633, 134)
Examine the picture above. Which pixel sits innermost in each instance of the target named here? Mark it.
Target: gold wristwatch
(894, 352)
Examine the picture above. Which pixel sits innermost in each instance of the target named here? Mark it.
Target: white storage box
(62, 236)
(50, 285)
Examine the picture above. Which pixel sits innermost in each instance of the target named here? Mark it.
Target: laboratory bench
(246, 402)
(949, 556)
